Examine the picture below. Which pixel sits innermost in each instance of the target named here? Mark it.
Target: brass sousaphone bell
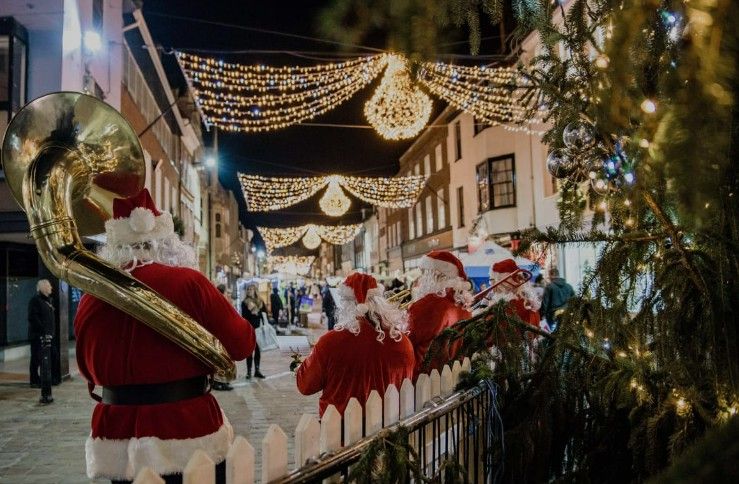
(66, 156)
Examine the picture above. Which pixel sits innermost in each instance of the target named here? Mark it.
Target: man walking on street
(328, 306)
(556, 295)
(41, 334)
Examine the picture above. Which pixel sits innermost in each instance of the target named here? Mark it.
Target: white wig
(433, 281)
(383, 315)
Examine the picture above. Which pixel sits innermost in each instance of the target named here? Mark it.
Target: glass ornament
(560, 164)
(578, 136)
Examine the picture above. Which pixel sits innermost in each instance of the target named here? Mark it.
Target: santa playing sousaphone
(441, 297)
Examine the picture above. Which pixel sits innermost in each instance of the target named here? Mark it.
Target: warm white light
(260, 254)
(334, 202)
(311, 239)
(210, 162)
(648, 106)
(93, 41)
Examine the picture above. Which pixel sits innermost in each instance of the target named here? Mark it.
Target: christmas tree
(640, 105)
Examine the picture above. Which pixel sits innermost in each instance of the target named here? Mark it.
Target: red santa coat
(345, 365)
(113, 349)
(428, 317)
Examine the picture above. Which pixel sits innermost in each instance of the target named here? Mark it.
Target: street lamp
(92, 41)
(210, 161)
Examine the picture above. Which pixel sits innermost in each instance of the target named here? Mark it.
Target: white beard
(434, 282)
(170, 251)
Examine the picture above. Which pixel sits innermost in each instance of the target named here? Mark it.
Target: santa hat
(136, 219)
(444, 262)
(505, 266)
(362, 286)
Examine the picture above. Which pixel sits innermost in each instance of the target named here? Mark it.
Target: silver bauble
(560, 164)
(578, 136)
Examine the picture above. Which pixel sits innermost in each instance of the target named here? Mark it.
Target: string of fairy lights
(312, 235)
(257, 98)
(291, 264)
(265, 194)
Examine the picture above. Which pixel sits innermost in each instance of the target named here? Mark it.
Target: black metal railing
(458, 433)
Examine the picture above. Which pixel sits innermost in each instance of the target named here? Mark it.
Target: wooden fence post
(447, 381)
(352, 421)
(148, 476)
(435, 379)
(330, 429)
(456, 370)
(423, 391)
(240, 462)
(274, 453)
(307, 439)
(407, 399)
(466, 364)
(373, 413)
(391, 406)
(200, 469)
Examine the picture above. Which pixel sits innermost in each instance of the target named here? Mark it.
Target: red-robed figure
(156, 408)
(441, 298)
(367, 349)
(522, 300)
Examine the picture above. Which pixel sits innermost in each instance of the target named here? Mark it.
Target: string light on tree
(265, 194)
(398, 109)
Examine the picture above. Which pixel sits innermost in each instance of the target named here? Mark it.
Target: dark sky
(297, 150)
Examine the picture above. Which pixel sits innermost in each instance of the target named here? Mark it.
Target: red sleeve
(82, 310)
(213, 311)
(310, 373)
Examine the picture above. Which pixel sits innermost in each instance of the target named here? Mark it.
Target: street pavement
(45, 443)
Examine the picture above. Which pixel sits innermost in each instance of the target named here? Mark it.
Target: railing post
(148, 476)
(274, 453)
(407, 399)
(200, 469)
(330, 430)
(307, 439)
(240, 462)
(352, 422)
(373, 413)
(391, 406)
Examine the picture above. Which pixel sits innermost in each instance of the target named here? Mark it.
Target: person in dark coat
(252, 308)
(41, 333)
(275, 303)
(556, 295)
(329, 306)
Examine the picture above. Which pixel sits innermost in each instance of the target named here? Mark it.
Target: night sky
(294, 151)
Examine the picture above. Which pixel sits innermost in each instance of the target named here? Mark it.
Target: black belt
(152, 394)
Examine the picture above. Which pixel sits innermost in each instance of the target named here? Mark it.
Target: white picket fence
(314, 437)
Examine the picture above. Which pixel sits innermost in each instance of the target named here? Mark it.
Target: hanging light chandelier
(311, 239)
(398, 109)
(334, 202)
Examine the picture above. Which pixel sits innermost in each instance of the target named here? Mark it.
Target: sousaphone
(66, 156)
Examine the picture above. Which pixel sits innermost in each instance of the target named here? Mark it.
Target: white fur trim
(362, 308)
(138, 228)
(123, 459)
(446, 268)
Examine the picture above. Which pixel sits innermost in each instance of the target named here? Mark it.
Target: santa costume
(441, 298)
(523, 300)
(367, 349)
(156, 408)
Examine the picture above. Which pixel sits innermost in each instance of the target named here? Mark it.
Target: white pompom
(362, 308)
(141, 220)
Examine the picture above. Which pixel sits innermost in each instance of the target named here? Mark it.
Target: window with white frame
(496, 182)
(441, 207)
(427, 165)
(438, 160)
(429, 215)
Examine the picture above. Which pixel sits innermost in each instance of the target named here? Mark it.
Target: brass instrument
(515, 279)
(399, 296)
(66, 156)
